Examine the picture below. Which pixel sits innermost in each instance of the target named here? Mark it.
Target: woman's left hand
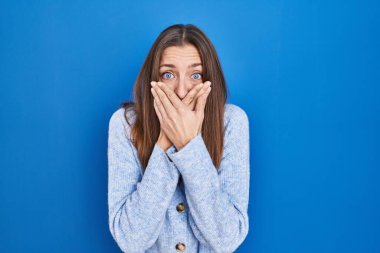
(179, 122)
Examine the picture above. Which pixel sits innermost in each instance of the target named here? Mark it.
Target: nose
(181, 88)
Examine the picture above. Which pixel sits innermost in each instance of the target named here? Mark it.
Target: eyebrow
(173, 66)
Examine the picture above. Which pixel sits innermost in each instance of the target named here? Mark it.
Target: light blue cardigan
(145, 212)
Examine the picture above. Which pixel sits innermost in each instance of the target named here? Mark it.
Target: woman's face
(181, 69)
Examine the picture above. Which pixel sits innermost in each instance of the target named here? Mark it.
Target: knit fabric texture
(152, 212)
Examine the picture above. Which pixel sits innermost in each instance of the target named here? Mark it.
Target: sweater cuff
(194, 161)
(172, 149)
(159, 158)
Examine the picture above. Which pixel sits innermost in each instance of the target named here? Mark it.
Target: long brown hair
(146, 128)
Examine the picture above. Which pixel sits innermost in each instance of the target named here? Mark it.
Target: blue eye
(167, 76)
(199, 74)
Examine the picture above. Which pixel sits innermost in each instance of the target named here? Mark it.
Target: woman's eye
(198, 76)
(166, 75)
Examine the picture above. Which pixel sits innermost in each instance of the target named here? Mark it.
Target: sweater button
(180, 207)
(180, 247)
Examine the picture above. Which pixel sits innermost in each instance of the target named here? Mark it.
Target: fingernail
(153, 83)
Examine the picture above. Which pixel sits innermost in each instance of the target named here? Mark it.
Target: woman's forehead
(177, 54)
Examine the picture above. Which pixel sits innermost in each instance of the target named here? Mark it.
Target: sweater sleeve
(137, 204)
(218, 200)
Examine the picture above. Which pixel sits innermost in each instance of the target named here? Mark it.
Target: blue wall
(306, 72)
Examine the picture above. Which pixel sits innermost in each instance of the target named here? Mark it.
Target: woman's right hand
(190, 101)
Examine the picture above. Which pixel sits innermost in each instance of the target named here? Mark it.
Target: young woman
(178, 157)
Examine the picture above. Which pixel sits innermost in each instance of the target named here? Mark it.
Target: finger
(164, 102)
(200, 93)
(157, 110)
(159, 104)
(159, 118)
(175, 101)
(192, 93)
(201, 102)
(203, 90)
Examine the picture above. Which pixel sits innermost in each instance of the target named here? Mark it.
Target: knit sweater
(152, 212)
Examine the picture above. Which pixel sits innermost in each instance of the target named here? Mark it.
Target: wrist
(184, 143)
(163, 144)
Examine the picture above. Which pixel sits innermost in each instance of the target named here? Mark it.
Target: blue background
(306, 73)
